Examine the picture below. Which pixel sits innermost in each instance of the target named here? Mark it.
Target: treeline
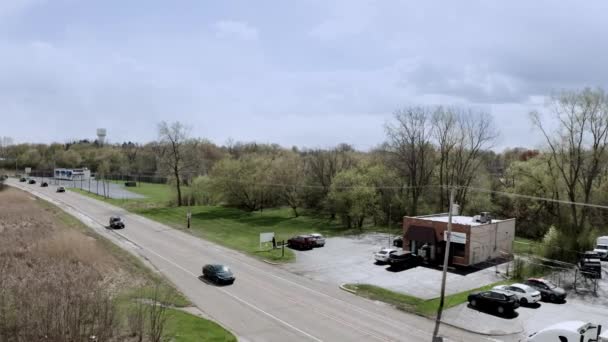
(426, 151)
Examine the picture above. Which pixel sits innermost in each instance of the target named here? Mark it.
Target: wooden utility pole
(446, 259)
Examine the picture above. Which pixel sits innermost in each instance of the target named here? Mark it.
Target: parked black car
(31, 181)
(116, 222)
(60, 189)
(494, 300)
(44, 184)
(218, 274)
(403, 260)
(22, 179)
(548, 290)
(398, 242)
(302, 242)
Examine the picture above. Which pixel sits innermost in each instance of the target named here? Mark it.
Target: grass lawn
(233, 228)
(184, 327)
(526, 246)
(413, 304)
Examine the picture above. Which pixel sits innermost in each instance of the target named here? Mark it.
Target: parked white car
(524, 293)
(319, 239)
(576, 331)
(383, 254)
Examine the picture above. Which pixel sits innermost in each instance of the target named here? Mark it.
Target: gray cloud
(321, 73)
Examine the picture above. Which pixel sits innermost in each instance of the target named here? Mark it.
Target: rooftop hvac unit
(484, 217)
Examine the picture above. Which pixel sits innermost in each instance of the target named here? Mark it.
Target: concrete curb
(271, 263)
(343, 288)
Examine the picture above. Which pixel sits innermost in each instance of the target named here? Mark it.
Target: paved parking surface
(585, 307)
(350, 260)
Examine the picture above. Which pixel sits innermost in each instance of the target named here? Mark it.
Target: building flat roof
(464, 220)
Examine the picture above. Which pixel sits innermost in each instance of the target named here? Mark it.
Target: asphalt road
(265, 303)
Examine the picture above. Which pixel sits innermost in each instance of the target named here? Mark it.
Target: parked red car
(302, 242)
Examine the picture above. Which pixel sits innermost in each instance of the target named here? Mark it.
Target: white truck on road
(571, 331)
(601, 247)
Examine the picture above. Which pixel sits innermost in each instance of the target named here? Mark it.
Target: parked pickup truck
(601, 247)
(576, 331)
(590, 264)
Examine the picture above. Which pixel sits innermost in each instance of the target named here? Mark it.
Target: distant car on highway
(60, 189)
(31, 181)
(302, 242)
(219, 274)
(403, 260)
(495, 300)
(548, 290)
(382, 255)
(22, 179)
(319, 239)
(44, 184)
(524, 293)
(116, 222)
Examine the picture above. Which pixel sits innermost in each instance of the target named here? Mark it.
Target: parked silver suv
(319, 239)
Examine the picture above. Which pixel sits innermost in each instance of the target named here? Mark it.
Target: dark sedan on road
(499, 301)
(218, 274)
(22, 179)
(116, 222)
(44, 184)
(31, 181)
(60, 189)
(548, 290)
(403, 260)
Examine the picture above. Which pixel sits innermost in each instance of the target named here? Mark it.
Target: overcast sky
(308, 73)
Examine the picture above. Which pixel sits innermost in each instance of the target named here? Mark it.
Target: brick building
(474, 239)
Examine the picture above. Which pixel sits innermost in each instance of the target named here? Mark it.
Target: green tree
(353, 197)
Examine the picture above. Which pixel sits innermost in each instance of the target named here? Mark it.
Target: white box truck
(601, 247)
(571, 331)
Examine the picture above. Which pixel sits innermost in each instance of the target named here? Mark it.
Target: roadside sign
(455, 237)
(266, 237)
(28, 170)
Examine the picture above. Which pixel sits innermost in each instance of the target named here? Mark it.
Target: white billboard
(455, 237)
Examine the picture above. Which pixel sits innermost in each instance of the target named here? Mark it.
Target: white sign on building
(28, 170)
(455, 237)
(266, 237)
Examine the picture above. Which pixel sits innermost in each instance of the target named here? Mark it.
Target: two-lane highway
(265, 303)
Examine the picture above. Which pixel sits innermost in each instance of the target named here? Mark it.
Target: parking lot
(350, 260)
(584, 306)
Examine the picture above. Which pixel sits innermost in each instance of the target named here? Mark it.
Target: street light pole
(446, 258)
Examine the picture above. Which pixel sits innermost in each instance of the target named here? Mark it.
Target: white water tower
(101, 136)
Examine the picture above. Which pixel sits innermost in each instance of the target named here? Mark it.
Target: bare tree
(174, 149)
(578, 147)
(445, 134)
(476, 134)
(412, 149)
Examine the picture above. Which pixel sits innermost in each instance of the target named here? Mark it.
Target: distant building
(72, 174)
(474, 239)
